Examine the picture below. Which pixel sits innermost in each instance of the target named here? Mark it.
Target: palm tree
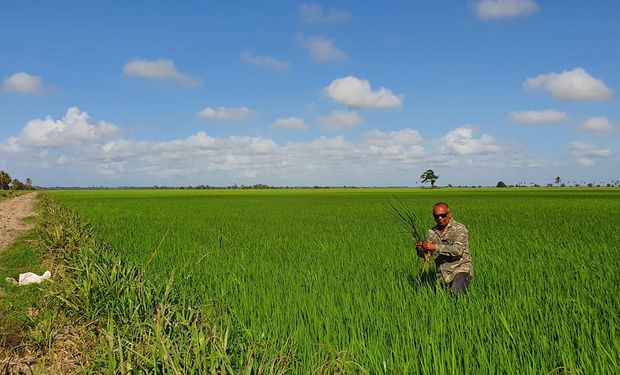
(558, 180)
(17, 184)
(5, 180)
(429, 175)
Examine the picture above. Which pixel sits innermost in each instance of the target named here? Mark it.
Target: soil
(12, 213)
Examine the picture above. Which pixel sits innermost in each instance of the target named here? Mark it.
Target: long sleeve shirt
(452, 255)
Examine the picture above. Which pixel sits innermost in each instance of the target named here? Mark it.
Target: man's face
(442, 215)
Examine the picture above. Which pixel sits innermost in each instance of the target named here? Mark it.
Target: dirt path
(12, 211)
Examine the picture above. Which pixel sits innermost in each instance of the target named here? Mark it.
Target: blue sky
(305, 93)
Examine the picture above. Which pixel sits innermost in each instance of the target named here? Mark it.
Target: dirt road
(12, 211)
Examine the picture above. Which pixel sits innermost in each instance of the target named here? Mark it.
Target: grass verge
(17, 304)
(6, 194)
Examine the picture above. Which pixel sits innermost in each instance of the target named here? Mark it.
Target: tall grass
(324, 272)
(411, 224)
(138, 325)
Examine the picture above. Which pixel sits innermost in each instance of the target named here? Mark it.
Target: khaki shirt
(452, 254)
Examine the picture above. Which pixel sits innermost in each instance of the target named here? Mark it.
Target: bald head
(441, 204)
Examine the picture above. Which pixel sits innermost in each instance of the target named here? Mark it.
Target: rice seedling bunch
(411, 224)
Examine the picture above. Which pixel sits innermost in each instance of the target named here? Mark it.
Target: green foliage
(139, 325)
(326, 279)
(408, 218)
(429, 176)
(6, 183)
(5, 180)
(15, 301)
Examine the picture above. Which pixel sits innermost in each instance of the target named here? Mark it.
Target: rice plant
(321, 280)
(411, 224)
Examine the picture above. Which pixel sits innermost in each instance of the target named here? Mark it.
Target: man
(448, 246)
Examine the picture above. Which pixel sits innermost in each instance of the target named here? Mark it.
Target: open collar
(446, 230)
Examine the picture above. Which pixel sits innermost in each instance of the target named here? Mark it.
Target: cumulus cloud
(397, 144)
(264, 61)
(74, 128)
(290, 122)
(585, 153)
(159, 70)
(539, 117)
(494, 9)
(574, 85)
(313, 14)
(227, 114)
(85, 153)
(461, 141)
(357, 93)
(23, 83)
(340, 120)
(320, 48)
(597, 125)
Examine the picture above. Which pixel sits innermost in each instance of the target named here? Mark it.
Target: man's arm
(453, 246)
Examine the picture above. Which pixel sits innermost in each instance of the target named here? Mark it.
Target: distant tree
(17, 184)
(429, 176)
(5, 180)
(501, 184)
(28, 184)
(558, 180)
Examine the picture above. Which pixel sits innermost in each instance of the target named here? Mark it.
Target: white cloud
(405, 136)
(320, 48)
(340, 120)
(398, 144)
(494, 9)
(74, 151)
(575, 85)
(581, 149)
(159, 70)
(290, 122)
(538, 117)
(227, 114)
(585, 153)
(313, 14)
(597, 125)
(265, 61)
(461, 141)
(357, 93)
(23, 83)
(73, 129)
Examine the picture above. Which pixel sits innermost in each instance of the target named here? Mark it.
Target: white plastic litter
(30, 278)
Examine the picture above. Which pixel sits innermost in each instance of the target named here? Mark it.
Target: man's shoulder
(457, 225)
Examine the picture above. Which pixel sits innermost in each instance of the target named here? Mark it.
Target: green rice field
(316, 269)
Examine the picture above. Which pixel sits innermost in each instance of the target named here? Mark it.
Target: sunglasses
(442, 216)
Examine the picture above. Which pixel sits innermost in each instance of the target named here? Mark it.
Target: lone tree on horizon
(429, 175)
(558, 180)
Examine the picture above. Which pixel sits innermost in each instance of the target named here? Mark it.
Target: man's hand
(425, 246)
(419, 246)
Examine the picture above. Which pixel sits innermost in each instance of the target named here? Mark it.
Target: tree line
(8, 183)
